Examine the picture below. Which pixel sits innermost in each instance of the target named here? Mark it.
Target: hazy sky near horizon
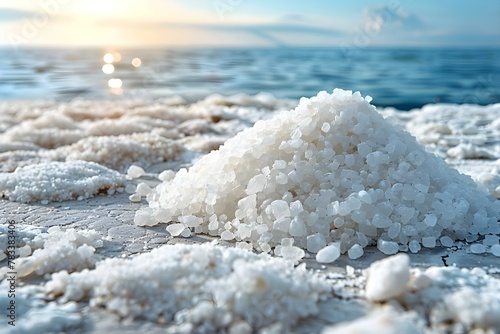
(263, 23)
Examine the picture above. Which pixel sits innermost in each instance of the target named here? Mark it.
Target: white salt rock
(414, 246)
(227, 235)
(24, 251)
(280, 209)
(186, 233)
(328, 254)
(364, 197)
(143, 217)
(355, 252)
(190, 221)
(430, 220)
(477, 248)
(429, 242)
(292, 253)
(446, 241)
(387, 247)
(130, 188)
(256, 184)
(135, 172)
(135, 198)
(394, 230)
(315, 242)
(297, 228)
(166, 175)
(388, 278)
(495, 250)
(175, 229)
(381, 221)
(143, 189)
(287, 242)
(490, 240)
(420, 280)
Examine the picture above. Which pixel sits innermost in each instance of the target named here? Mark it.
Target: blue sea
(401, 78)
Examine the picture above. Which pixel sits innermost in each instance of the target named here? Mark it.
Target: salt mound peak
(331, 171)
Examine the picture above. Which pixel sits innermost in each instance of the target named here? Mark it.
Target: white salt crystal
(292, 253)
(446, 241)
(387, 247)
(190, 221)
(143, 217)
(287, 242)
(296, 208)
(430, 220)
(495, 250)
(130, 188)
(355, 252)
(297, 228)
(186, 233)
(280, 209)
(429, 242)
(24, 251)
(315, 242)
(364, 197)
(328, 254)
(143, 189)
(477, 248)
(388, 278)
(381, 221)
(325, 127)
(135, 172)
(414, 246)
(256, 184)
(166, 175)
(175, 229)
(227, 235)
(135, 198)
(394, 230)
(490, 240)
(281, 178)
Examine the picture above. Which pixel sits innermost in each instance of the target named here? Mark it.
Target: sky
(249, 23)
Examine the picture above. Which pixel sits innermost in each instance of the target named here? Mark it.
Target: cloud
(268, 32)
(11, 14)
(379, 17)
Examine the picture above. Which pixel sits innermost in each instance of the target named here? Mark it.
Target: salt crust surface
(331, 170)
(212, 288)
(475, 300)
(59, 181)
(119, 133)
(204, 285)
(52, 251)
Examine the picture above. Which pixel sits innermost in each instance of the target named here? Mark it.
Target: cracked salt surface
(448, 288)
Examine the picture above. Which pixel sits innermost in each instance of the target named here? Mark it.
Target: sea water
(401, 78)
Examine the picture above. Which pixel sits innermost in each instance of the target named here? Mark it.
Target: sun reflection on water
(109, 67)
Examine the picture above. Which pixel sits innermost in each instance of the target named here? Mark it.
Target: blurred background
(403, 53)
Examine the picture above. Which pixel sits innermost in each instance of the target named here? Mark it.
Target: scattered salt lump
(433, 300)
(59, 181)
(331, 171)
(57, 250)
(388, 278)
(210, 287)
